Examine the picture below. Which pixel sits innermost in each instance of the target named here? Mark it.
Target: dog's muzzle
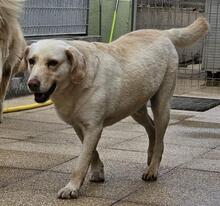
(40, 97)
(34, 85)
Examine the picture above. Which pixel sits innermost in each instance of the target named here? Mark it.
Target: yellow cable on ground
(27, 107)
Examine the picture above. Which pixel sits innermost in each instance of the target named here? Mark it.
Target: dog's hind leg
(160, 104)
(97, 169)
(6, 75)
(96, 166)
(143, 118)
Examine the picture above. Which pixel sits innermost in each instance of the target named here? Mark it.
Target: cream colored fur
(12, 44)
(99, 84)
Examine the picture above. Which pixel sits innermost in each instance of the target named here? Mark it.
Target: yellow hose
(27, 107)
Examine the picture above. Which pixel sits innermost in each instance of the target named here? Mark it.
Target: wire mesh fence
(55, 17)
(195, 62)
(211, 60)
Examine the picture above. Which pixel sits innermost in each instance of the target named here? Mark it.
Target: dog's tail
(10, 9)
(183, 37)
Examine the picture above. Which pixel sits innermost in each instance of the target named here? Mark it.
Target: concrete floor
(38, 151)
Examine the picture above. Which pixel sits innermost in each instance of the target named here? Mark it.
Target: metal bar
(87, 17)
(100, 17)
(46, 17)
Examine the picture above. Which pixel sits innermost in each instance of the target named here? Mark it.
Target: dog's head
(52, 64)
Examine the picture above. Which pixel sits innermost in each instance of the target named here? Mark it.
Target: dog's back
(180, 37)
(143, 59)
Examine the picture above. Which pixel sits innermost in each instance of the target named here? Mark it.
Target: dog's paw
(97, 176)
(149, 175)
(68, 192)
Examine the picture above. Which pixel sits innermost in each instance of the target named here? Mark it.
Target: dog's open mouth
(43, 97)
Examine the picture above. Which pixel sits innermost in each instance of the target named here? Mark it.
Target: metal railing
(55, 17)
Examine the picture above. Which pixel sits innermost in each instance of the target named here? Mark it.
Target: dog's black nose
(34, 85)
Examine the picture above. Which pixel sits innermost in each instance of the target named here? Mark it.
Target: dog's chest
(65, 112)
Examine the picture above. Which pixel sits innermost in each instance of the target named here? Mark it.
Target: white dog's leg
(97, 167)
(3, 88)
(1, 72)
(91, 138)
(1, 111)
(1, 65)
(142, 117)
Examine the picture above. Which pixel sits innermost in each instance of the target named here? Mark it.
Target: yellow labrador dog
(12, 44)
(94, 85)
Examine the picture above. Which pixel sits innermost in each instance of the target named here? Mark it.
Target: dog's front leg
(6, 76)
(91, 138)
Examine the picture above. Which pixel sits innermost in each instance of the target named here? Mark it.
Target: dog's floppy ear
(78, 64)
(24, 64)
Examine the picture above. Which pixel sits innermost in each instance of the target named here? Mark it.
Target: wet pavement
(38, 152)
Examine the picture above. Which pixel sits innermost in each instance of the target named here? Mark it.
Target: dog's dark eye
(52, 63)
(31, 61)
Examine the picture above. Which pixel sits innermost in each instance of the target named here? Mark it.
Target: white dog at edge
(12, 44)
(94, 85)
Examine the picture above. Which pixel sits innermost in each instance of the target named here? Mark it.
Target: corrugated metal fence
(55, 17)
